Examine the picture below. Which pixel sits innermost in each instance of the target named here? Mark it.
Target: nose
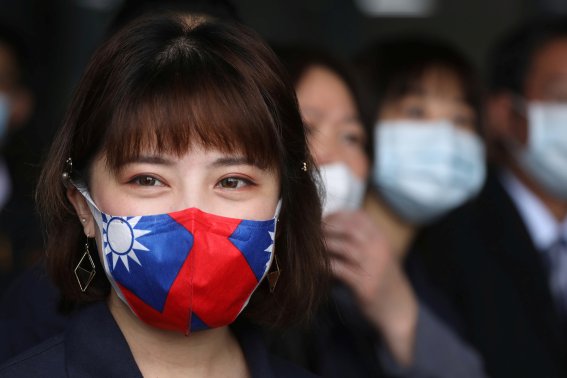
(190, 195)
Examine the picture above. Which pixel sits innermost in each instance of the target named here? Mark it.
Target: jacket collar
(94, 343)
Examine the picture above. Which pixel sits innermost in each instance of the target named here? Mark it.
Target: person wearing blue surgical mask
(423, 98)
(369, 326)
(20, 238)
(429, 156)
(502, 260)
(15, 98)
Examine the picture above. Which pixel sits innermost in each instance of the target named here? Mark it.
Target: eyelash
(239, 180)
(354, 138)
(137, 181)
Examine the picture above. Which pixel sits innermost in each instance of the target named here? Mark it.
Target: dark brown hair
(390, 70)
(167, 83)
(299, 59)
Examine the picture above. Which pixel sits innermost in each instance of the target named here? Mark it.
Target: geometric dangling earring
(274, 275)
(85, 269)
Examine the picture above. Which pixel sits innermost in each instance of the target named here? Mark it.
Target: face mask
(343, 190)
(185, 271)
(4, 115)
(424, 169)
(545, 156)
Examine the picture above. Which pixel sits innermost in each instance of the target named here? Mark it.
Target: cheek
(358, 162)
(260, 204)
(521, 132)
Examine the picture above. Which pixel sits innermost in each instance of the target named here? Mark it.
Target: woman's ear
(82, 209)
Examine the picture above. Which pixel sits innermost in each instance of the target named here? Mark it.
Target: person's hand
(361, 258)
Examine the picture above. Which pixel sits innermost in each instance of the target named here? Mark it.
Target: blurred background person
(423, 97)
(19, 231)
(502, 259)
(373, 324)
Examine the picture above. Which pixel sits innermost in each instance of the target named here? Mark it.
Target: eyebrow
(220, 162)
(230, 161)
(150, 159)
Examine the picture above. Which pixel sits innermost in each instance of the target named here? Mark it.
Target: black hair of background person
(19, 224)
(298, 59)
(510, 58)
(389, 70)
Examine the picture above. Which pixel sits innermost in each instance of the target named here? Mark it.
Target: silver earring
(85, 269)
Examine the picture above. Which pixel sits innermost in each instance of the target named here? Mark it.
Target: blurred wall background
(63, 33)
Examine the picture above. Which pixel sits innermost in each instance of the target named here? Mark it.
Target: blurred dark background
(62, 34)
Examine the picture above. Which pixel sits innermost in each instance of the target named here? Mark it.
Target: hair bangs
(193, 105)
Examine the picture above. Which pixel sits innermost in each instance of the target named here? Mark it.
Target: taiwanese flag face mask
(188, 270)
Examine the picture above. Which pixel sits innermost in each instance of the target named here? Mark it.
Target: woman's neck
(210, 353)
(399, 233)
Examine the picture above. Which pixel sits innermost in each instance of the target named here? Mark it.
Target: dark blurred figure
(20, 238)
(31, 310)
(502, 259)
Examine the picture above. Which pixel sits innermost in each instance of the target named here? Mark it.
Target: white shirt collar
(543, 228)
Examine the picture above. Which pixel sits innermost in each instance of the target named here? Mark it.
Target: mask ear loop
(274, 275)
(191, 269)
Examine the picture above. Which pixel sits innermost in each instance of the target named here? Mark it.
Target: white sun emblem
(120, 240)
(270, 248)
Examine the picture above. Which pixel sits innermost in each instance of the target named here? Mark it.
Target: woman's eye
(233, 183)
(147, 181)
(354, 139)
(464, 121)
(414, 112)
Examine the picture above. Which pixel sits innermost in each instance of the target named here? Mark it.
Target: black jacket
(484, 261)
(93, 346)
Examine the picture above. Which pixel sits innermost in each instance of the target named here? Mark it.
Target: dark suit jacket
(93, 346)
(484, 261)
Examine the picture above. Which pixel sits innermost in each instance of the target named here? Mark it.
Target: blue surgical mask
(425, 169)
(544, 157)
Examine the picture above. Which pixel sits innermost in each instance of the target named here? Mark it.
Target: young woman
(180, 179)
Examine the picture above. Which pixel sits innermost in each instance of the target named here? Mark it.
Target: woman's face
(215, 182)
(438, 95)
(329, 112)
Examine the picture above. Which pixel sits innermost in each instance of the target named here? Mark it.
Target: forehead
(439, 82)
(319, 86)
(548, 70)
